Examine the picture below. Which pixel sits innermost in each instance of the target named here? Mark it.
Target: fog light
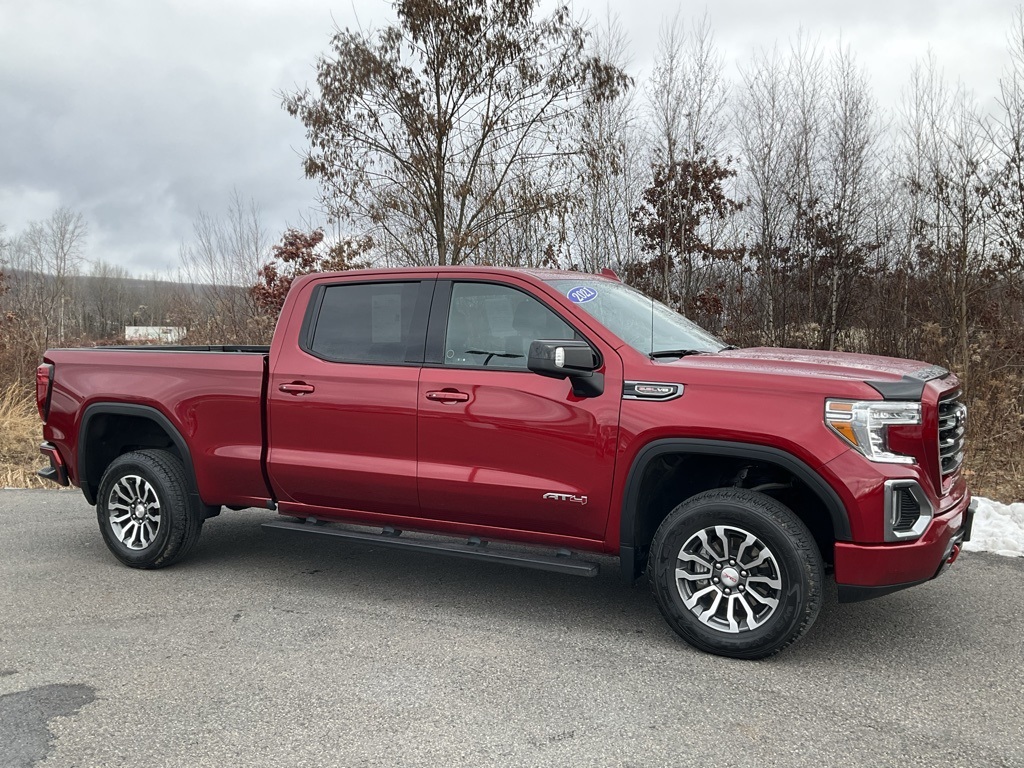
(907, 510)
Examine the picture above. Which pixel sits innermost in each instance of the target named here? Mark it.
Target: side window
(365, 322)
(493, 325)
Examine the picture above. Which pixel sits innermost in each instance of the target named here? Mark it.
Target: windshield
(645, 324)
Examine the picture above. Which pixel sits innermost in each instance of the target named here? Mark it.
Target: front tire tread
(745, 507)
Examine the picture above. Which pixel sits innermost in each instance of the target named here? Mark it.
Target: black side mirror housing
(567, 359)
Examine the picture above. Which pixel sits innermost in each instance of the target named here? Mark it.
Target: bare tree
(106, 303)
(55, 249)
(682, 211)
(39, 305)
(762, 117)
(217, 267)
(951, 234)
(1007, 138)
(605, 177)
(4, 246)
(805, 182)
(417, 133)
(964, 194)
(844, 228)
(45, 258)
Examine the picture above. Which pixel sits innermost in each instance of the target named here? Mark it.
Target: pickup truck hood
(894, 378)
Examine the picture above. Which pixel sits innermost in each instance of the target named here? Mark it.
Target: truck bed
(211, 395)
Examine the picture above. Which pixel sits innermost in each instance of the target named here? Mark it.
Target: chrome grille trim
(952, 434)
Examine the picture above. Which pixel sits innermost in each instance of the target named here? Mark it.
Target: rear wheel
(146, 515)
(736, 573)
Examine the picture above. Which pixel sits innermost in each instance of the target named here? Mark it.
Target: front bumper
(864, 571)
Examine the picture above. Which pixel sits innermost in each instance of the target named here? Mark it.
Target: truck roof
(534, 272)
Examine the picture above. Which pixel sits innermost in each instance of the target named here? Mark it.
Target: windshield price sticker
(582, 294)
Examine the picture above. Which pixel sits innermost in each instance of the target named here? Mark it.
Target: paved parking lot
(260, 650)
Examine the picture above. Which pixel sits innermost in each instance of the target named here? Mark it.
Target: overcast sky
(140, 113)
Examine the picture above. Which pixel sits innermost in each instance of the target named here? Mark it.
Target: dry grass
(997, 474)
(995, 421)
(20, 434)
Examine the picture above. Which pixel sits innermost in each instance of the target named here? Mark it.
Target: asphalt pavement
(261, 650)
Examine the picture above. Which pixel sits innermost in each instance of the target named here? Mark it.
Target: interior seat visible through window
(493, 325)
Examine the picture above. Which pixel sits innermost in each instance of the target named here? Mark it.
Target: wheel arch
(108, 430)
(641, 514)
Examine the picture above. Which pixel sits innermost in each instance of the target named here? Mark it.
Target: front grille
(952, 434)
(905, 510)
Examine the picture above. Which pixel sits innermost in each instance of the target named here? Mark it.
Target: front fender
(628, 549)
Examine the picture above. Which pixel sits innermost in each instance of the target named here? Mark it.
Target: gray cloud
(139, 114)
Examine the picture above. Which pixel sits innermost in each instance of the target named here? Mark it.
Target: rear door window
(369, 323)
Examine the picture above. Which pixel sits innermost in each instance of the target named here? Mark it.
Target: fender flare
(142, 411)
(655, 449)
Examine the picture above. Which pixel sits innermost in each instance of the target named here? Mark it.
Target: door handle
(448, 396)
(297, 388)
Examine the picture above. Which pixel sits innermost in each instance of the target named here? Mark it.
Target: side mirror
(567, 359)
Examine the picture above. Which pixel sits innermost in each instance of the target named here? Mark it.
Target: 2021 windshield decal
(581, 294)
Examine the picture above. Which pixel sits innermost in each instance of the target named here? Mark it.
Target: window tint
(493, 325)
(365, 322)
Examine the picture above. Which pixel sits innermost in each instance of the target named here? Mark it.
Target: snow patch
(998, 528)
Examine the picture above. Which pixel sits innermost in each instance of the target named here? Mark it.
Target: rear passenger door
(343, 395)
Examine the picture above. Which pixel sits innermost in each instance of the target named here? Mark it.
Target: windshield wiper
(491, 354)
(677, 353)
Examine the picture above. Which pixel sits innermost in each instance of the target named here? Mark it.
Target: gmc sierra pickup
(533, 415)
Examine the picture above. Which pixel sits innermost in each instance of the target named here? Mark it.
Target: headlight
(864, 425)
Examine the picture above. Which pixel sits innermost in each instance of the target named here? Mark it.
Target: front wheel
(145, 512)
(736, 573)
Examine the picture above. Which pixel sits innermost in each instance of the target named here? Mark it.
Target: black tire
(168, 521)
(745, 625)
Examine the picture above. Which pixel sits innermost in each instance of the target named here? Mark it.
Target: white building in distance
(162, 334)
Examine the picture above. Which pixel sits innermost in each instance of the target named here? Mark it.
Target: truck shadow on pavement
(931, 619)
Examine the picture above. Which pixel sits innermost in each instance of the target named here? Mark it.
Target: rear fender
(90, 473)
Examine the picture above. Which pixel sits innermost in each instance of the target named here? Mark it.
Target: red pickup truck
(532, 415)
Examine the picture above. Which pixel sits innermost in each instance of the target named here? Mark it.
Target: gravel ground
(260, 650)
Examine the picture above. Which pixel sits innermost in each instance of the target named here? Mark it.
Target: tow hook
(949, 557)
(953, 555)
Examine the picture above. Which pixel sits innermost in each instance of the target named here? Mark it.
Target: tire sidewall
(139, 558)
(788, 617)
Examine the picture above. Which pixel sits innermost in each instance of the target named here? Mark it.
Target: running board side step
(474, 549)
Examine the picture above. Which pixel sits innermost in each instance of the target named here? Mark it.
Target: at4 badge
(565, 497)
